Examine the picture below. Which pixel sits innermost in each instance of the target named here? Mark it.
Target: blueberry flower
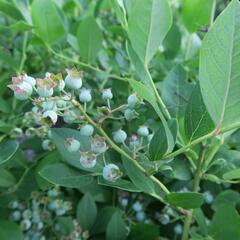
(52, 115)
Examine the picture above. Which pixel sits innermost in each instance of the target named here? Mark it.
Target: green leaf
(47, 19)
(86, 212)
(188, 200)
(58, 136)
(159, 144)
(10, 230)
(222, 229)
(116, 228)
(6, 58)
(89, 39)
(219, 68)
(149, 21)
(172, 42)
(103, 218)
(62, 175)
(51, 158)
(6, 178)
(147, 94)
(201, 220)
(197, 121)
(120, 184)
(18, 26)
(7, 150)
(143, 231)
(228, 197)
(138, 178)
(176, 91)
(231, 175)
(10, 10)
(195, 20)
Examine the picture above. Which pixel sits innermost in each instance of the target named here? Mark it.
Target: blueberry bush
(119, 119)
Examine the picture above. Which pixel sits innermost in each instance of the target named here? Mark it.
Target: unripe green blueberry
(164, 219)
(88, 159)
(16, 132)
(208, 197)
(29, 80)
(60, 211)
(98, 145)
(73, 80)
(111, 172)
(53, 192)
(72, 144)
(137, 206)
(129, 114)
(87, 130)
(85, 96)
(30, 132)
(140, 216)
(26, 224)
(44, 91)
(40, 225)
(107, 94)
(16, 215)
(23, 91)
(49, 105)
(70, 116)
(178, 229)
(119, 136)
(13, 204)
(143, 131)
(133, 100)
(27, 214)
(124, 202)
(52, 115)
(47, 145)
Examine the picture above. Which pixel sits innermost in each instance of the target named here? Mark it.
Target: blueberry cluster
(54, 97)
(39, 213)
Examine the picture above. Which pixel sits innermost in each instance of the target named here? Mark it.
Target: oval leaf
(62, 175)
(219, 68)
(49, 24)
(188, 200)
(149, 22)
(89, 39)
(7, 150)
(234, 174)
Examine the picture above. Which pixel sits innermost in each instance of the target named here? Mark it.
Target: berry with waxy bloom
(85, 96)
(88, 159)
(22, 90)
(70, 116)
(98, 145)
(49, 105)
(47, 145)
(129, 114)
(107, 94)
(26, 224)
(111, 172)
(119, 136)
(87, 130)
(29, 80)
(16, 132)
(72, 144)
(52, 115)
(73, 79)
(133, 100)
(137, 206)
(45, 86)
(140, 216)
(143, 131)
